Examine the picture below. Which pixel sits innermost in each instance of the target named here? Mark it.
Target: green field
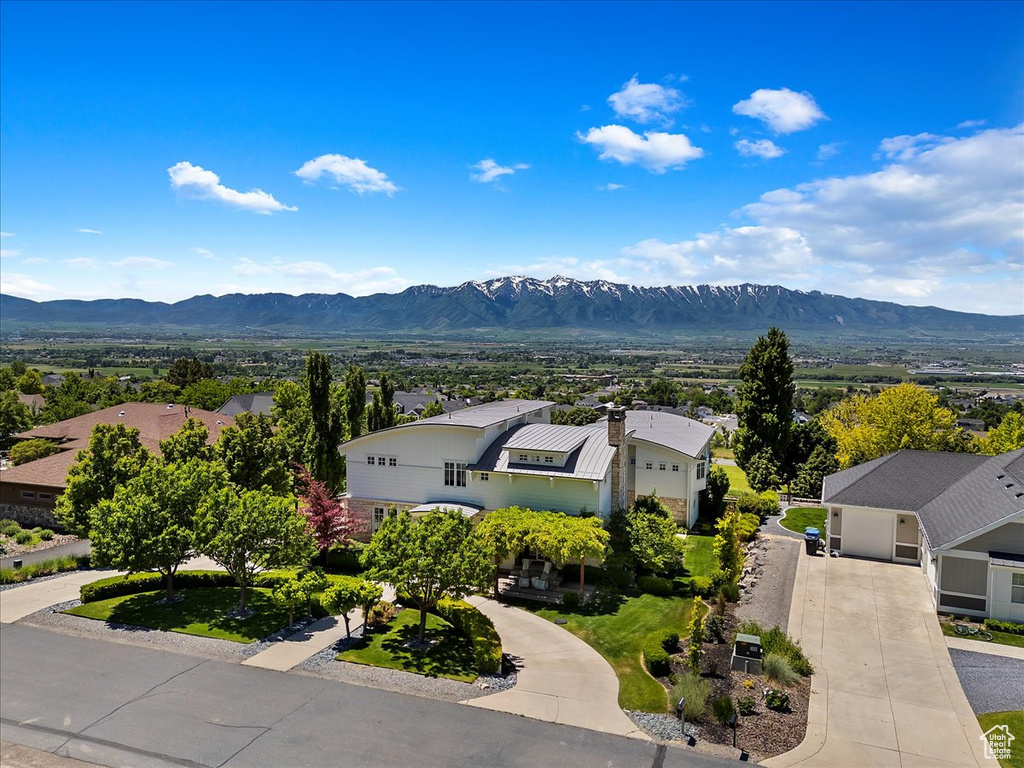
(700, 558)
(798, 518)
(737, 480)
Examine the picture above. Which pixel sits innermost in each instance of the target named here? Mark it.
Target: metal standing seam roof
(678, 433)
(486, 415)
(590, 460)
(555, 438)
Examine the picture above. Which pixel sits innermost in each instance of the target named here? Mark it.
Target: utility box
(747, 653)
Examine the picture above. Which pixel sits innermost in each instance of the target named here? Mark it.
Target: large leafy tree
(644, 535)
(185, 371)
(577, 416)
(1008, 436)
(507, 532)
(434, 557)
(208, 394)
(355, 400)
(114, 457)
(906, 416)
(189, 442)
(25, 451)
(811, 457)
(327, 426)
(15, 417)
(149, 524)
(247, 532)
(30, 382)
(330, 523)
(292, 415)
(764, 405)
(381, 413)
(253, 455)
(574, 539)
(712, 498)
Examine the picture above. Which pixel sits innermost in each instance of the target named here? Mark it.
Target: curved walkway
(561, 679)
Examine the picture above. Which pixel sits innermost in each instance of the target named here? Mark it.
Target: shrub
(777, 668)
(30, 450)
(571, 600)
(723, 709)
(657, 647)
(748, 684)
(480, 631)
(774, 640)
(43, 568)
(609, 577)
(746, 705)
(118, 586)
(749, 504)
(9, 527)
(777, 700)
(714, 626)
(702, 586)
(655, 585)
(681, 586)
(46, 534)
(747, 526)
(730, 591)
(1013, 627)
(770, 503)
(380, 614)
(696, 691)
(345, 560)
(23, 537)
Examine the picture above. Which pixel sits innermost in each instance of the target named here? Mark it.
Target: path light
(732, 722)
(680, 707)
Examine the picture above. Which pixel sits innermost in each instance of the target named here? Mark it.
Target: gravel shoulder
(768, 580)
(992, 683)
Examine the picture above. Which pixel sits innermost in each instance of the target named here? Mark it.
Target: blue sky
(165, 150)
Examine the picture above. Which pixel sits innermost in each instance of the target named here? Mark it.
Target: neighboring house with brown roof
(28, 492)
(35, 403)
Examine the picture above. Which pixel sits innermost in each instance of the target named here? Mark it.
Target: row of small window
(382, 461)
(523, 458)
(34, 495)
(650, 465)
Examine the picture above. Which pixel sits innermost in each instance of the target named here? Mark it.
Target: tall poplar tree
(355, 400)
(327, 429)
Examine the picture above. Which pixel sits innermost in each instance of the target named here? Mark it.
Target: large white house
(960, 516)
(509, 453)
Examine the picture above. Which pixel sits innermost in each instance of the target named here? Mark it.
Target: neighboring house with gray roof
(960, 516)
(508, 453)
(254, 402)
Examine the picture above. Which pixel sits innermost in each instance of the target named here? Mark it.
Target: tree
(695, 650)
(506, 531)
(645, 535)
(342, 598)
(727, 545)
(436, 556)
(7, 379)
(326, 429)
(381, 413)
(764, 405)
(114, 457)
(809, 439)
(30, 382)
(247, 532)
(662, 392)
(1008, 436)
(433, 408)
(289, 593)
(208, 394)
(253, 455)
(329, 522)
(149, 524)
(812, 473)
(355, 400)
(291, 413)
(30, 450)
(902, 417)
(185, 371)
(15, 417)
(712, 498)
(577, 416)
(574, 539)
(189, 442)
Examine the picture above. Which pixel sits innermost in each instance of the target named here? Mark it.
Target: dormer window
(549, 459)
(523, 457)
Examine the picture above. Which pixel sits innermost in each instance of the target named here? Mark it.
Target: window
(485, 477)
(455, 473)
(382, 460)
(675, 467)
(44, 496)
(1017, 588)
(392, 461)
(700, 470)
(371, 460)
(661, 467)
(549, 459)
(523, 457)
(649, 465)
(632, 461)
(28, 494)
(379, 513)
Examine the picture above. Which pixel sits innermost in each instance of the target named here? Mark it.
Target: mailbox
(746, 655)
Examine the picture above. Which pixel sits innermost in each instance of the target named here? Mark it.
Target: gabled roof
(678, 433)
(486, 415)
(254, 402)
(590, 460)
(556, 438)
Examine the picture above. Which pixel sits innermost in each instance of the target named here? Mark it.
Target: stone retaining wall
(28, 517)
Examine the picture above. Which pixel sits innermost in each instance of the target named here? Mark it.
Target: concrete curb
(980, 646)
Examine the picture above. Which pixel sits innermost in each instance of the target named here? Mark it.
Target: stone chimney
(617, 439)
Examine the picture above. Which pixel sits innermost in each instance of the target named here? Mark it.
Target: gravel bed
(992, 683)
(662, 727)
(768, 580)
(324, 664)
(14, 549)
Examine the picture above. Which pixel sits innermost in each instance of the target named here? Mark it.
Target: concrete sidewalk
(980, 646)
(36, 595)
(884, 691)
(561, 679)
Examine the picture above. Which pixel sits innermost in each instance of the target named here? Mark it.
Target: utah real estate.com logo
(997, 742)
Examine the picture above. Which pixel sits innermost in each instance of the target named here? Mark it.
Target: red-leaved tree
(329, 522)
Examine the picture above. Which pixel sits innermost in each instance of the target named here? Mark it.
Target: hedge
(655, 585)
(1012, 627)
(480, 631)
(656, 649)
(699, 586)
(118, 586)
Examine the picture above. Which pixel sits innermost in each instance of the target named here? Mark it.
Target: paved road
(992, 683)
(117, 705)
(75, 548)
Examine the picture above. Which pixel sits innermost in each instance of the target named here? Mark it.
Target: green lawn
(737, 480)
(449, 655)
(203, 612)
(798, 518)
(723, 453)
(1015, 722)
(1003, 638)
(700, 558)
(616, 627)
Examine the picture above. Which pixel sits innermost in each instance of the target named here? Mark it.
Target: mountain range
(519, 304)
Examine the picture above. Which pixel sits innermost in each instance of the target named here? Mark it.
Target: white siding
(675, 485)
(1000, 606)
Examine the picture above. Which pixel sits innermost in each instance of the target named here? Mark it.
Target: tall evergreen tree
(764, 405)
(381, 413)
(326, 429)
(355, 400)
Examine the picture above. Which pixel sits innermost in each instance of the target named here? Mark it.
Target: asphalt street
(122, 705)
(992, 683)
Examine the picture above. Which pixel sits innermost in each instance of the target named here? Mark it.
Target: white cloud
(25, 286)
(908, 147)
(830, 150)
(35, 260)
(204, 253)
(203, 184)
(611, 187)
(141, 262)
(657, 152)
(347, 171)
(81, 263)
(320, 277)
(766, 149)
(971, 124)
(782, 110)
(488, 170)
(646, 102)
(85, 231)
(6, 234)
(9, 253)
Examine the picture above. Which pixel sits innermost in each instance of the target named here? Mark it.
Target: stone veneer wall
(27, 516)
(363, 510)
(678, 507)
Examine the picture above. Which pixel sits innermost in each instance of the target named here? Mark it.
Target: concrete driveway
(885, 692)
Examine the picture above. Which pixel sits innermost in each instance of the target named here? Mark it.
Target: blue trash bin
(811, 538)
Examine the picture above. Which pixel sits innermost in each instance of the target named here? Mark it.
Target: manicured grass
(737, 480)
(1015, 723)
(700, 558)
(203, 612)
(723, 453)
(616, 627)
(449, 654)
(1003, 638)
(798, 518)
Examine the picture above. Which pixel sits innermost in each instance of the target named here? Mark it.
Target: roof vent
(1018, 495)
(170, 405)
(1008, 485)
(220, 423)
(1000, 477)
(121, 413)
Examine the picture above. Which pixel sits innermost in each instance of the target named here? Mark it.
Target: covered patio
(533, 578)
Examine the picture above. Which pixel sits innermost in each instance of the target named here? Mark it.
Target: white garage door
(867, 533)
